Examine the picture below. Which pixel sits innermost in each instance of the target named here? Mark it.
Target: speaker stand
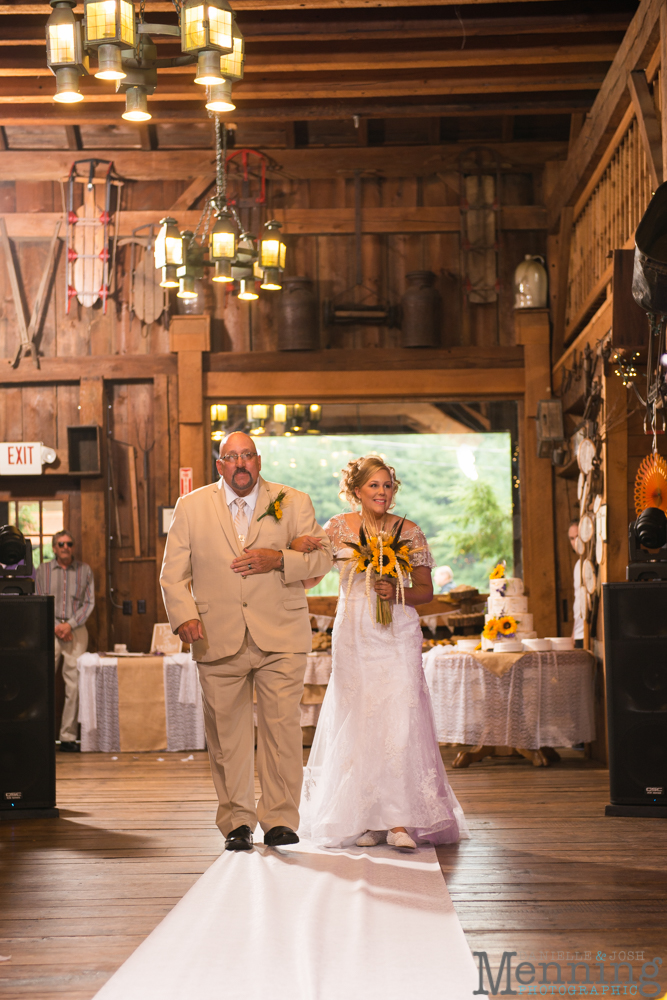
(657, 812)
(14, 814)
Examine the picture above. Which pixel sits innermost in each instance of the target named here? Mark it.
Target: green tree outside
(467, 521)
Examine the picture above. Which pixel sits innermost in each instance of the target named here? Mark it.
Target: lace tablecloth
(98, 700)
(545, 699)
(98, 703)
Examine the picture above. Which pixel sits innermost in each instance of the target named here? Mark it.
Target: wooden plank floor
(545, 871)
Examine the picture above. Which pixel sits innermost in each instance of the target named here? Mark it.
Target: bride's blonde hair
(357, 473)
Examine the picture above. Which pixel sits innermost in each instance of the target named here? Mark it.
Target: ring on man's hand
(249, 565)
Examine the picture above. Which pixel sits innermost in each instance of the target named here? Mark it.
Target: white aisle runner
(302, 923)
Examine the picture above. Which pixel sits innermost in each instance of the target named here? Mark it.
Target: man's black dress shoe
(280, 836)
(66, 747)
(239, 839)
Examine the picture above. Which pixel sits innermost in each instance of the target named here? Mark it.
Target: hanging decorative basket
(651, 484)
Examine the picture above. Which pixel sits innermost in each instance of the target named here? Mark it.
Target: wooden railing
(605, 219)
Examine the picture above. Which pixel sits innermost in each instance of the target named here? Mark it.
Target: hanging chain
(177, 8)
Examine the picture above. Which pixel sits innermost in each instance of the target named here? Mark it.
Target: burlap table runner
(497, 663)
(142, 715)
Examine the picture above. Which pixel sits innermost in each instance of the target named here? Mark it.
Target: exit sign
(20, 458)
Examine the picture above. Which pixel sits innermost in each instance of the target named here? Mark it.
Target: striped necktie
(241, 519)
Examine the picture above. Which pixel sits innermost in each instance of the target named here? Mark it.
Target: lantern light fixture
(272, 248)
(247, 292)
(109, 27)
(233, 63)
(186, 286)
(136, 105)
(207, 26)
(223, 272)
(208, 69)
(64, 51)
(219, 413)
(280, 413)
(67, 86)
(220, 98)
(223, 239)
(168, 252)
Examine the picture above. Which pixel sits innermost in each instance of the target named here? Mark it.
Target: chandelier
(126, 54)
(234, 254)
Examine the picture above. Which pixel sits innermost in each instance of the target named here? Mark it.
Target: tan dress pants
(70, 652)
(227, 689)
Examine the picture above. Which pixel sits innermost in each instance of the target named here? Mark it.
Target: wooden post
(189, 338)
(94, 527)
(558, 281)
(537, 511)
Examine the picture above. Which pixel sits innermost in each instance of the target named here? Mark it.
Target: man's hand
(306, 543)
(64, 631)
(190, 631)
(256, 561)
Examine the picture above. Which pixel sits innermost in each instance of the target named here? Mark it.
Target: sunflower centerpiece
(504, 627)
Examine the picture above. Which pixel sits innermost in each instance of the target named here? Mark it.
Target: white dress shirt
(231, 497)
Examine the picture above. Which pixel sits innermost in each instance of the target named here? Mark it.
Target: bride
(375, 772)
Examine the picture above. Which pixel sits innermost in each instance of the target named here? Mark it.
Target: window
(38, 520)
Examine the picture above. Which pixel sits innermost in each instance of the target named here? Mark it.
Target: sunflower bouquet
(384, 554)
(504, 627)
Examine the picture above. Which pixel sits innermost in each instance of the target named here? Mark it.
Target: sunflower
(498, 573)
(507, 625)
(491, 629)
(388, 561)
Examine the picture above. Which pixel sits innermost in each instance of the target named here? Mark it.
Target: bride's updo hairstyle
(357, 473)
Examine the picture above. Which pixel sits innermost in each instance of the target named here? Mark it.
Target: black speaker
(27, 713)
(635, 634)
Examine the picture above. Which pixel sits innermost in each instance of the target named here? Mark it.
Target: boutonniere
(275, 508)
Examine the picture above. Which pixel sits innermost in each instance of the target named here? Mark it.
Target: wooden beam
(330, 28)
(663, 82)
(560, 286)
(356, 61)
(113, 367)
(365, 360)
(306, 221)
(649, 126)
(192, 193)
(162, 7)
(91, 114)
(94, 527)
(539, 559)
(466, 81)
(464, 383)
(640, 39)
(190, 164)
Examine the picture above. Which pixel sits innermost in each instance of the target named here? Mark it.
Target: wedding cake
(506, 597)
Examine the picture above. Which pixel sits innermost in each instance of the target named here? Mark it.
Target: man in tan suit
(234, 589)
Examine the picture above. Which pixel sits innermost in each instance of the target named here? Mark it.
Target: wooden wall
(140, 410)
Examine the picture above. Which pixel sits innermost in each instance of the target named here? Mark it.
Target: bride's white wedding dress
(375, 761)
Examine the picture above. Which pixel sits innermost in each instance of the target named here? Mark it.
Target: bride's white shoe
(372, 838)
(400, 839)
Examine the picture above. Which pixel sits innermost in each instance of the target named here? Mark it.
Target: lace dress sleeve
(423, 557)
(339, 533)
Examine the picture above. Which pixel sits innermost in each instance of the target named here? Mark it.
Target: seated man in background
(71, 584)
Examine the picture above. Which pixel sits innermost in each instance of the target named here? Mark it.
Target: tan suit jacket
(197, 580)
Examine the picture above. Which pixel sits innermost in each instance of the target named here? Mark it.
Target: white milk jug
(530, 284)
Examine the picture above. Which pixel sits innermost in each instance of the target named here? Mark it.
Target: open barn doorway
(458, 466)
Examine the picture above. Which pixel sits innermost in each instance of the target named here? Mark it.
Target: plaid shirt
(73, 589)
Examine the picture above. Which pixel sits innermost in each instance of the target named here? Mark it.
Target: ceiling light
(67, 86)
(246, 290)
(220, 97)
(136, 105)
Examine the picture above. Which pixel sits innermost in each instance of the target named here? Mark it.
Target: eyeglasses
(65, 545)
(233, 457)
